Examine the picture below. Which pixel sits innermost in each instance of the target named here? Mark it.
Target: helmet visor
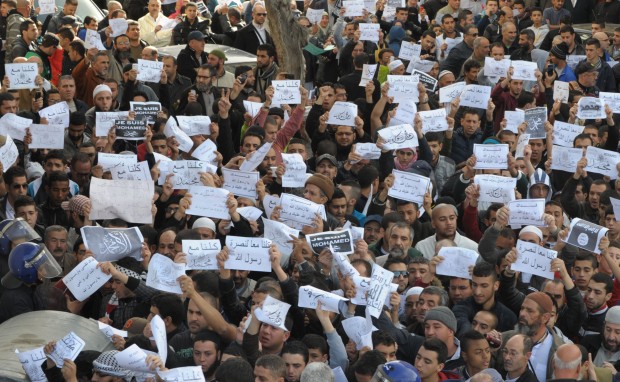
(47, 267)
(380, 375)
(19, 231)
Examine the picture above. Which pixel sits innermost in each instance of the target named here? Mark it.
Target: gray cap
(613, 315)
(494, 374)
(442, 314)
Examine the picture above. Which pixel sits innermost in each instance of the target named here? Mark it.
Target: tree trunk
(288, 36)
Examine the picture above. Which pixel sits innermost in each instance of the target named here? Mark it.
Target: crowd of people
(493, 323)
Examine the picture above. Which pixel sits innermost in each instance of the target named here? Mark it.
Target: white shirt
(427, 246)
(148, 34)
(540, 356)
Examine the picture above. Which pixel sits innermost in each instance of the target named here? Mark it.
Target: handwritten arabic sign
(565, 158)
(560, 91)
(68, 347)
(404, 88)
(564, 133)
(8, 153)
(209, 202)
(241, 183)
(368, 73)
(138, 171)
(380, 281)
(195, 125)
(456, 262)
(527, 212)
(534, 259)
(612, 100)
(342, 114)
(369, 32)
(399, 137)
(286, 92)
(185, 173)
(201, 254)
(299, 212)
(31, 361)
(163, 274)
(496, 189)
(310, 296)
(85, 279)
(248, 254)
(408, 186)
(476, 96)
(496, 68)
(47, 137)
(602, 161)
(450, 92)
(409, 50)
(149, 71)
(491, 156)
(295, 170)
(524, 70)
(22, 76)
(280, 235)
(57, 114)
(273, 312)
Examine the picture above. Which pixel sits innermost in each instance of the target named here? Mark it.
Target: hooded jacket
(540, 177)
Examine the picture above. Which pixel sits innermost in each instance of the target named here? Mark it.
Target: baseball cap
(195, 35)
(329, 157)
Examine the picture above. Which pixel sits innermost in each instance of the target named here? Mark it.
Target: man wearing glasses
(255, 34)
(461, 52)
(16, 185)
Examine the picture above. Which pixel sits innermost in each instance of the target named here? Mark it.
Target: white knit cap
(101, 88)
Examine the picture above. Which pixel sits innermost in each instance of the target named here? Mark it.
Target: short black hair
(169, 305)
(314, 341)
(484, 269)
(605, 279)
(437, 346)
(468, 337)
(296, 347)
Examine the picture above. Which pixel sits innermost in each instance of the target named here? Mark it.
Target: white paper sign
(31, 361)
(163, 274)
(572, 60)
(298, 212)
(159, 333)
(496, 189)
(368, 150)
(250, 213)
(57, 114)
(514, 119)
(273, 312)
(450, 92)
(280, 235)
(254, 107)
(527, 212)
(405, 114)
(295, 170)
(173, 130)
(93, 40)
(182, 374)
(85, 279)
(409, 50)
(241, 183)
(195, 125)
(14, 126)
(565, 158)
(353, 8)
(119, 27)
(201, 254)
(495, 68)
(149, 71)
(110, 331)
(399, 137)
(309, 296)
(434, 120)
(104, 120)
(424, 66)
(403, 88)
(342, 113)
(47, 137)
(209, 202)
(254, 159)
(591, 108)
(133, 358)
(167, 23)
(616, 206)
(286, 92)
(369, 32)
(379, 288)
(611, 99)
(491, 156)
(409, 186)
(602, 161)
(560, 91)
(564, 133)
(314, 15)
(8, 153)
(186, 173)
(358, 330)
(524, 140)
(125, 199)
(138, 171)
(47, 7)
(476, 96)
(524, 70)
(456, 262)
(248, 254)
(68, 347)
(206, 152)
(109, 161)
(534, 259)
(22, 76)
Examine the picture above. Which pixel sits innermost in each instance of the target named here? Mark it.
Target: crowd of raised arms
(433, 197)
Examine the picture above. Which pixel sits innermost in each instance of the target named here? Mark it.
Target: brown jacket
(85, 82)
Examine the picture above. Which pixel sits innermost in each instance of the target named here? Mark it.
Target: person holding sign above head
(588, 209)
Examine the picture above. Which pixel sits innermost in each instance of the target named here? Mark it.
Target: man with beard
(81, 167)
(88, 78)
(176, 81)
(103, 98)
(598, 293)
(605, 347)
(372, 229)
(485, 284)
(534, 315)
(74, 135)
(119, 56)
(526, 45)
(55, 240)
(266, 67)
(207, 353)
(517, 353)
(202, 92)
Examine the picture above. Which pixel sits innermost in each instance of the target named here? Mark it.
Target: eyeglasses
(261, 14)
(20, 186)
(125, 43)
(172, 210)
(473, 34)
(400, 273)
